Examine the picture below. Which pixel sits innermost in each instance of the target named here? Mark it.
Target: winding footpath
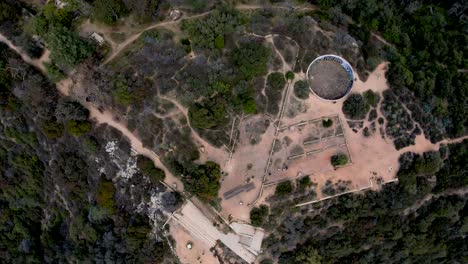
(199, 225)
(105, 117)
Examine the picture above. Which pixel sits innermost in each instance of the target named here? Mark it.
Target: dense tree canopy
(355, 106)
(68, 48)
(109, 11)
(203, 180)
(58, 203)
(251, 59)
(146, 165)
(209, 32)
(258, 215)
(426, 53)
(208, 114)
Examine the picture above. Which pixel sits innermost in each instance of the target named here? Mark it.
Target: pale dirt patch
(200, 252)
(203, 229)
(238, 173)
(371, 156)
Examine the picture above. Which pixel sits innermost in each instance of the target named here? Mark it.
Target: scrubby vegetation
(284, 188)
(339, 159)
(301, 89)
(146, 165)
(355, 106)
(251, 59)
(258, 215)
(372, 98)
(109, 11)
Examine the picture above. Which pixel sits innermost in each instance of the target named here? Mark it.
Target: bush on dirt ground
(372, 98)
(301, 89)
(258, 215)
(339, 160)
(355, 106)
(327, 122)
(284, 188)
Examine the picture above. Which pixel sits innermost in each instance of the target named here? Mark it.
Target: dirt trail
(428, 197)
(105, 117)
(218, 155)
(120, 47)
(253, 7)
(423, 144)
(37, 63)
(132, 38)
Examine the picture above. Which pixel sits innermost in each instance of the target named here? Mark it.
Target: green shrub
(372, 98)
(276, 81)
(77, 127)
(91, 144)
(355, 106)
(203, 180)
(304, 182)
(284, 188)
(258, 215)
(209, 31)
(105, 195)
(327, 122)
(219, 42)
(54, 73)
(109, 11)
(290, 75)
(146, 166)
(273, 90)
(339, 159)
(67, 48)
(208, 114)
(372, 115)
(121, 93)
(251, 59)
(186, 43)
(301, 89)
(249, 106)
(52, 129)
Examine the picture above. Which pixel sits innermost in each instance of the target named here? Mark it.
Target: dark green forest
(54, 205)
(427, 51)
